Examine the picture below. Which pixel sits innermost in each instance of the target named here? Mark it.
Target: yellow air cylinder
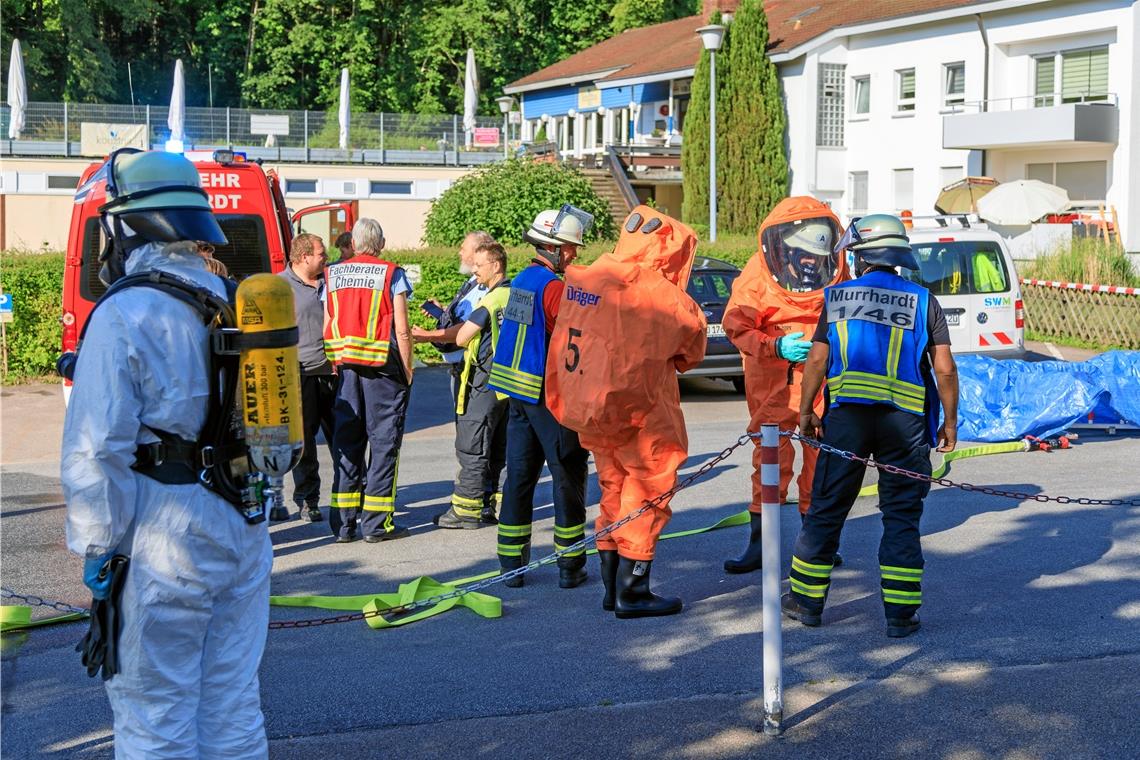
(270, 378)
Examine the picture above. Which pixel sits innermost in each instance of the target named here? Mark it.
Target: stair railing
(621, 179)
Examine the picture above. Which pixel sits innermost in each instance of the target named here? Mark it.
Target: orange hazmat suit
(780, 293)
(625, 328)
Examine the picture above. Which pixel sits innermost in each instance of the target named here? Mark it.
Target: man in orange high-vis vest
(368, 338)
(770, 317)
(625, 328)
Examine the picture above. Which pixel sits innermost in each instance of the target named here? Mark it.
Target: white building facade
(883, 114)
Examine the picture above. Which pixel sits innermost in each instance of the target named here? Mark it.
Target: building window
(904, 90)
(300, 185)
(1083, 180)
(951, 174)
(857, 182)
(1045, 68)
(904, 189)
(953, 84)
(62, 182)
(390, 188)
(1084, 75)
(861, 101)
(829, 116)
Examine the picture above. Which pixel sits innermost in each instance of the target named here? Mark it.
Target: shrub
(503, 199)
(35, 282)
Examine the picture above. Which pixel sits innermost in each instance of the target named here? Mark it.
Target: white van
(968, 268)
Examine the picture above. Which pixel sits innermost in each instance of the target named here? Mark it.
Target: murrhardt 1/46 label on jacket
(893, 308)
(350, 275)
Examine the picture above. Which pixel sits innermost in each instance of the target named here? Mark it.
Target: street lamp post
(711, 37)
(505, 104)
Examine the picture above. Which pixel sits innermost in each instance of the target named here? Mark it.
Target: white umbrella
(1022, 201)
(17, 92)
(345, 113)
(176, 120)
(470, 95)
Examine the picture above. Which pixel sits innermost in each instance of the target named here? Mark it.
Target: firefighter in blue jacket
(533, 435)
(877, 340)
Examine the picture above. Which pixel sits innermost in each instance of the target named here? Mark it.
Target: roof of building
(674, 45)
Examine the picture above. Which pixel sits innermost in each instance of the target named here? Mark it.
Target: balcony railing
(1025, 102)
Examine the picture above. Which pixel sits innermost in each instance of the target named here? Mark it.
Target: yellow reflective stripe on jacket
(841, 331)
(878, 388)
(520, 339)
(355, 347)
(816, 571)
(520, 382)
(894, 350)
(816, 591)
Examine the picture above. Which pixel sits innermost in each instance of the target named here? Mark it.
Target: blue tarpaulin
(1008, 400)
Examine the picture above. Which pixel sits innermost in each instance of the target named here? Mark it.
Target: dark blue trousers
(318, 396)
(534, 437)
(894, 437)
(368, 431)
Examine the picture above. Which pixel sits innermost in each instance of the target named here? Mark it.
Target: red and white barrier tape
(1113, 289)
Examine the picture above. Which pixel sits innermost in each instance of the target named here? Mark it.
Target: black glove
(100, 646)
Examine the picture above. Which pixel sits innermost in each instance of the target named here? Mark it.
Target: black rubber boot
(793, 609)
(452, 520)
(753, 558)
(571, 571)
(488, 515)
(634, 599)
(609, 562)
(519, 580)
(899, 628)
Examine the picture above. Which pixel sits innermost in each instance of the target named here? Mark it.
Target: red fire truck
(248, 203)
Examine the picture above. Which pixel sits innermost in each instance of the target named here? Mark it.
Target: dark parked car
(710, 285)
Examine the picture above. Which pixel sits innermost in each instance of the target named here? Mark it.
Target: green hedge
(35, 282)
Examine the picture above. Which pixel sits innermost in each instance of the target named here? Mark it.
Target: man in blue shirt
(877, 340)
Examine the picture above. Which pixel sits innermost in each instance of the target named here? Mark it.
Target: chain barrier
(31, 600)
(407, 609)
(431, 601)
(1019, 495)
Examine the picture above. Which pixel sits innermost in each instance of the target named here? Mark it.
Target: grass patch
(1089, 261)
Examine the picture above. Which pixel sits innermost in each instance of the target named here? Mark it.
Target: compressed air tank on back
(270, 383)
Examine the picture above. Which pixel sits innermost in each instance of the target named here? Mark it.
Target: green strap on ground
(973, 451)
(17, 617)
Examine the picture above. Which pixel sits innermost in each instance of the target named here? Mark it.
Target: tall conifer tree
(755, 174)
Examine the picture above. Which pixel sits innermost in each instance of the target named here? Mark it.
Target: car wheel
(738, 383)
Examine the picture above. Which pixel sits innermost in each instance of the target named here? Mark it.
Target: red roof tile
(675, 45)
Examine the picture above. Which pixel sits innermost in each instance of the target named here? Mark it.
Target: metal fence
(1111, 320)
(54, 129)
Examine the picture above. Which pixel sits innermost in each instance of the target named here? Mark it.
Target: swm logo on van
(997, 302)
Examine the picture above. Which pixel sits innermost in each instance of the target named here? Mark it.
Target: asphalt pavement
(1030, 646)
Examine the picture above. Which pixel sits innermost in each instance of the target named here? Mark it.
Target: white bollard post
(773, 635)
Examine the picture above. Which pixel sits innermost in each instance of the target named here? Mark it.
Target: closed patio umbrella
(345, 113)
(1022, 201)
(17, 92)
(470, 96)
(176, 119)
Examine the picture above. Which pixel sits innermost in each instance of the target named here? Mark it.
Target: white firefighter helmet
(814, 237)
(541, 229)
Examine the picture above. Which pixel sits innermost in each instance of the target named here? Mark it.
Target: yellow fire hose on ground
(484, 605)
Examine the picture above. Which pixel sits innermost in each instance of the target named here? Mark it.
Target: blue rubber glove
(92, 566)
(793, 349)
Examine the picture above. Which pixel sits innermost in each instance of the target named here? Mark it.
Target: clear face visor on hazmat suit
(799, 253)
(152, 197)
(565, 226)
(657, 242)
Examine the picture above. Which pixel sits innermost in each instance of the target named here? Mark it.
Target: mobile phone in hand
(433, 310)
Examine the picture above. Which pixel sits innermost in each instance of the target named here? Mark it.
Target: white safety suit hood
(195, 605)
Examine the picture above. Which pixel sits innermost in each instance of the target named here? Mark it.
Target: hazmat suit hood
(795, 246)
(657, 242)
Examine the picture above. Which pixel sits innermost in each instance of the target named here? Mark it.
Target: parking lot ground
(1030, 646)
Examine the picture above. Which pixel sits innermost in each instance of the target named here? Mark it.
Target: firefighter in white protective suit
(195, 602)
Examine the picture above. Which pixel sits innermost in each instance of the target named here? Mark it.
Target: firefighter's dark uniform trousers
(369, 429)
(533, 435)
(894, 437)
(480, 447)
(318, 397)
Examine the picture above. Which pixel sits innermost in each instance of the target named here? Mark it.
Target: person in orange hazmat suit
(625, 328)
(770, 317)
